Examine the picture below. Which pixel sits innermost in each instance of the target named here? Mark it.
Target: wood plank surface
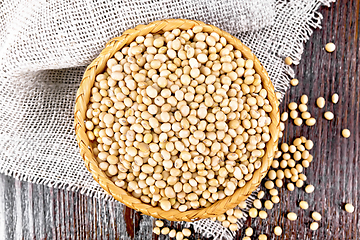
(31, 211)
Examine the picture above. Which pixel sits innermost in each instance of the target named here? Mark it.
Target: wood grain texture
(30, 211)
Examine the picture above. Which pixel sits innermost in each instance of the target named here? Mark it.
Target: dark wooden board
(31, 211)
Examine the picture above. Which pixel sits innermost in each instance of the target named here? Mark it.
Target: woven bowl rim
(82, 100)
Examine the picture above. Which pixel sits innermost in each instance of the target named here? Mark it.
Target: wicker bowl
(82, 100)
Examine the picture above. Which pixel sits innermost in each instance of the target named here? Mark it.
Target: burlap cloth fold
(45, 46)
